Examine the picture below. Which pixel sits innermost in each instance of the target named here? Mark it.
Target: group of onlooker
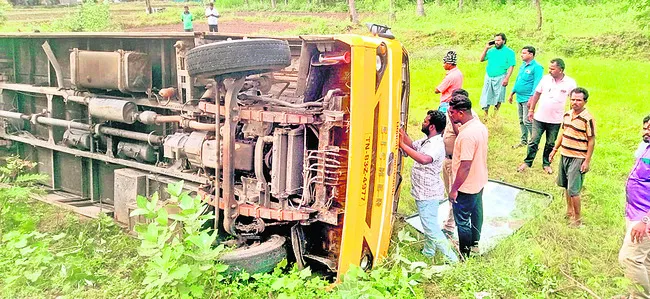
(463, 163)
(211, 14)
(456, 141)
(460, 154)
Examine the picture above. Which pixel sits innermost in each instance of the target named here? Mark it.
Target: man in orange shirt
(470, 174)
(453, 80)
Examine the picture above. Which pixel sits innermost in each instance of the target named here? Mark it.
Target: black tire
(238, 58)
(261, 258)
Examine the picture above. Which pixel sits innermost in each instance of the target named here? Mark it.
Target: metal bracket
(298, 244)
(231, 207)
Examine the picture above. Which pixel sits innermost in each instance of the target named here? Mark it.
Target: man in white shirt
(549, 99)
(428, 190)
(212, 14)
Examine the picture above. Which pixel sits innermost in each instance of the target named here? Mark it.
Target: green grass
(618, 96)
(75, 257)
(533, 262)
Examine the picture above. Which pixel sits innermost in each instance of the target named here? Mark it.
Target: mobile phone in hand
(491, 43)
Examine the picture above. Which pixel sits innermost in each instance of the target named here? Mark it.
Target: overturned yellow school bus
(294, 141)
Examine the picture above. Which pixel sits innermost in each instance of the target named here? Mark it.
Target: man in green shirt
(501, 62)
(186, 18)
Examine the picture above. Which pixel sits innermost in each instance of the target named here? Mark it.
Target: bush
(180, 254)
(89, 17)
(4, 6)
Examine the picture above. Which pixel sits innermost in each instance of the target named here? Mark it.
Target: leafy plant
(13, 198)
(284, 282)
(15, 172)
(4, 6)
(643, 9)
(180, 255)
(25, 257)
(89, 17)
(396, 278)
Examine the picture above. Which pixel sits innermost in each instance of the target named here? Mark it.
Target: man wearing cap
(501, 62)
(453, 80)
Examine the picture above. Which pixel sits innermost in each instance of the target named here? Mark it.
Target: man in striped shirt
(576, 145)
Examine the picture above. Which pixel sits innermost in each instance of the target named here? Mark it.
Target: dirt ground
(232, 26)
(241, 26)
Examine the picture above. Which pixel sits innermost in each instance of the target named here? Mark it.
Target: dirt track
(241, 26)
(233, 26)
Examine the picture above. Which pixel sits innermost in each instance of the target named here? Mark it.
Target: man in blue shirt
(500, 63)
(530, 73)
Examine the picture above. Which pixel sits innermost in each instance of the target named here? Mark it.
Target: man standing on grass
(635, 252)
(427, 189)
(470, 174)
(551, 94)
(186, 18)
(577, 146)
(449, 138)
(453, 80)
(501, 62)
(212, 14)
(530, 73)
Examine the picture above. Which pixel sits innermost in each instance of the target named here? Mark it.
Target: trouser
(635, 259)
(448, 217)
(468, 212)
(434, 238)
(214, 28)
(551, 134)
(524, 124)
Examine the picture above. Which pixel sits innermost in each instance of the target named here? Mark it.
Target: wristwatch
(645, 219)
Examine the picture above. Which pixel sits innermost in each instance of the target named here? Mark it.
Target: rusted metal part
(280, 102)
(167, 92)
(233, 86)
(140, 152)
(330, 216)
(323, 260)
(298, 244)
(193, 147)
(183, 122)
(105, 158)
(126, 71)
(85, 97)
(254, 228)
(217, 139)
(323, 142)
(76, 138)
(257, 114)
(183, 80)
(113, 109)
(265, 194)
(149, 138)
(275, 214)
(55, 64)
(256, 211)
